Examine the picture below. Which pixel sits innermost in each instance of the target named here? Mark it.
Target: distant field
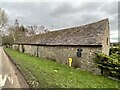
(44, 73)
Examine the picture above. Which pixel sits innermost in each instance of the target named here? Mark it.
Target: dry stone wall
(61, 54)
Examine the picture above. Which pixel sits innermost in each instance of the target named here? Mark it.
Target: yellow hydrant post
(70, 62)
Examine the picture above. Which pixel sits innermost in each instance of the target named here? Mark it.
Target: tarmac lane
(10, 77)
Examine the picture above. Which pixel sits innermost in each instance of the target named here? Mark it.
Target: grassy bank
(40, 72)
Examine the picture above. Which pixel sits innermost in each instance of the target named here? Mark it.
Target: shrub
(109, 64)
(115, 50)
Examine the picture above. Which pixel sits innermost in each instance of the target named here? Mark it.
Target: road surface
(10, 76)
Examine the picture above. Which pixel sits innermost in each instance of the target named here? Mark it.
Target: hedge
(115, 50)
(109, 65)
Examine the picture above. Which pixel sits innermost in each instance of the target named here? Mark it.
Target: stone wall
(61, 54)
(106, 41)
(30, 49)
(15, 47)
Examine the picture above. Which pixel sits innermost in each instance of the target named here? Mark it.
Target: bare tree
(17, 32)
(12, 33)
(36, 29)
(3, 21)
(31, 31)
(7, 40)
(3, 18)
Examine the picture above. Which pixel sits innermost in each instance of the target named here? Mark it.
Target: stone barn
(79, 43)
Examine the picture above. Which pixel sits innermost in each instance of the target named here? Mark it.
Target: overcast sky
(63, 14)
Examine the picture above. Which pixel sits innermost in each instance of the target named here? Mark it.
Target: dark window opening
(23, 50)
(79, 50)
(107, 41)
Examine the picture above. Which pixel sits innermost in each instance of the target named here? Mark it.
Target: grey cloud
(63, 8)
(91, 6)
(69, 8)
(110, 8)
(61, 15)
(34, 13)
(86, 12)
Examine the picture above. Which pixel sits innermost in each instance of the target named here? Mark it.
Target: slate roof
(90, 34)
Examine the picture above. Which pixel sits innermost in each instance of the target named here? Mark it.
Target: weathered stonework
(62, 44)
(106, 40)
(61, 54)
(15, 47)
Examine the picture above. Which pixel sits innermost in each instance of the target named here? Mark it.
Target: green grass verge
(41, 72)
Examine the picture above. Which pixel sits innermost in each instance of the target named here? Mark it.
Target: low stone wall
(15, 47)
(62, 53)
